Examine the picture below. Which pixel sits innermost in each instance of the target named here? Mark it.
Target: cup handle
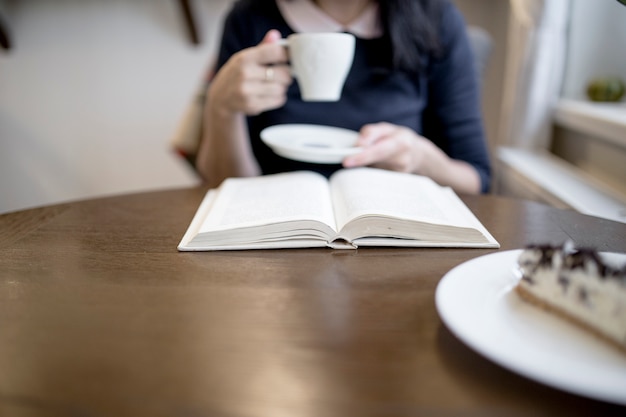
(285, 43)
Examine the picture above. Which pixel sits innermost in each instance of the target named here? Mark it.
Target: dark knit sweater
(440, 102)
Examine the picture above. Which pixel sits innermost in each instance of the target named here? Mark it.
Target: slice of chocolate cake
(577, 284)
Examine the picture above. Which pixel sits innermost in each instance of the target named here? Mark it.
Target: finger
(261, 55)
(271, 89)
(256, 96)
(280, 74)
(259, 104)
(271, 36)
(256, 88)
(374, 132)
(378, 152)
(269, 51)
(366, 157)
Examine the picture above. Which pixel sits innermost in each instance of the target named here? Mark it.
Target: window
(597, 35)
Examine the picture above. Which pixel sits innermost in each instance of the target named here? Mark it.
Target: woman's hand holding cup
(255, 79)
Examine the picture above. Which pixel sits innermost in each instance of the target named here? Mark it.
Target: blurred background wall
(92, 91)
(90, 94)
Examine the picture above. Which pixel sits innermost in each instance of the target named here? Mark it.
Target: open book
(355, 207)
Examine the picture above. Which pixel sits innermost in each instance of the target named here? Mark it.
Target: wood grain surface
(101, 316)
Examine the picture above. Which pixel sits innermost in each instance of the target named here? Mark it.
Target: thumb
(271, 36)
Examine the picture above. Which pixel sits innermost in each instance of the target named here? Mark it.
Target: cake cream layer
(579, 284)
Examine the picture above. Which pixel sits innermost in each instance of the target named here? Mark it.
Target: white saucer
(311, 143)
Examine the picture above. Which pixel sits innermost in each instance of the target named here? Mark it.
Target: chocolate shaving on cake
(577, 284)
(574, 258)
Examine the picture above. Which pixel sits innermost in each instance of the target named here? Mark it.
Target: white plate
(311, 143)
(477, 303)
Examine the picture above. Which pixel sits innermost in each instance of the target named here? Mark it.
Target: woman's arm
(399, 148)
(225, 149)
(253, 80)
(453, 119)
(453, 149)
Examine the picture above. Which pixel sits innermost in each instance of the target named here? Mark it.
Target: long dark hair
(413, 30)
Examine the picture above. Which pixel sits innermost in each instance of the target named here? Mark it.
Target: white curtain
(536, 49)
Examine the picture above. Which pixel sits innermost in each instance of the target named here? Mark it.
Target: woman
(412, 92)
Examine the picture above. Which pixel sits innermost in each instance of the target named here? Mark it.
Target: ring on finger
(269, 74)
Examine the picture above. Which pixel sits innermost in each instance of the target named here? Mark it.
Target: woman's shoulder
(451, 18)
(254, 14)
(253, 8)
(248, 6)
(452, 28)
(247, 21)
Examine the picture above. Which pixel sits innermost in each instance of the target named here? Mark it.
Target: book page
(366, 191)
(246, 202)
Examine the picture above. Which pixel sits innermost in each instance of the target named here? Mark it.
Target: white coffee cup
(320, 62)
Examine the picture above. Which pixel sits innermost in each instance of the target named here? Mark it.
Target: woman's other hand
(253, 80)
(389, 146)
(398, 148)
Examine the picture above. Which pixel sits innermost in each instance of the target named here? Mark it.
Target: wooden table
(101, 316)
